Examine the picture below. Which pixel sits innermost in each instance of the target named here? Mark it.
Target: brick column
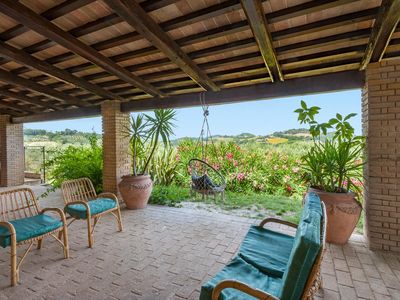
(381, 126)
(116, 159)
(12, 156)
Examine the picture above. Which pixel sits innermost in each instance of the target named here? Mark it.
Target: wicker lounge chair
(82, 203)
(23, 222)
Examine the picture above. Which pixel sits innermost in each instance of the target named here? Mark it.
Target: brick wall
(381, 125)
(116, 159)
(12, 156)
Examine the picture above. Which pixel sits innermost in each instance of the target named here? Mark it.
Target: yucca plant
(145, 133)
(334, 162)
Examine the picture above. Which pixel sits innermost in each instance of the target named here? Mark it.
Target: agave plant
(334, 162)
(145, 133)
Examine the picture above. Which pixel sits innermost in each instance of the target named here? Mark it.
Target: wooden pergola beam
(46, 28)
(51, 14)
(384, 26)
(136, 16)
(258, 23)
(24, 108)
(301, 86)
(21, 97)
(74, 113)
(43, 89)
(31, 61)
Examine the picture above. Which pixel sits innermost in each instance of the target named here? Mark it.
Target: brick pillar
(381, 126)
(116, 159)
(12, 156)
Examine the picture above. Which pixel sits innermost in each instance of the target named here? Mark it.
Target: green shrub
(170, 195)
(76, 162)
(272, 170)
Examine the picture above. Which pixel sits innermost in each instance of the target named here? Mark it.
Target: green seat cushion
(28, 228)
(240, 270)
(267, 250)
(306, 247)
(96, 206)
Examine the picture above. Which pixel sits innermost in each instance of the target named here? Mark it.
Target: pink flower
(295, 170)
(286, 178)
(216, 166)
(177, 157)
(235, 163)
(229, 156)
(240, 176)
(289, 188)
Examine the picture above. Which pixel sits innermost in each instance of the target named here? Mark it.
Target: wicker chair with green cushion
(82, 203)
(23, 222)
(272, 265)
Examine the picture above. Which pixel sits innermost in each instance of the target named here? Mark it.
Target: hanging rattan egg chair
(205, 179)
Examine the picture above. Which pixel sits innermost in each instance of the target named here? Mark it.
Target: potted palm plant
(333, 168)
(145, 133)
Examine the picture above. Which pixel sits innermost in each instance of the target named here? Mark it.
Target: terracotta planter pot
(136, 190)
(343, 213)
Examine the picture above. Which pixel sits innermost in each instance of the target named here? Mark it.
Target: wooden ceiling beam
(304, 9)
(176, 23)
(19, 107)
(31, 61)
(136, 16)
(206, 66)
(42, 89)
(258, 23)
(46, 28)
(301, 86)
(384, 26)
(22, 97)
(50, 14)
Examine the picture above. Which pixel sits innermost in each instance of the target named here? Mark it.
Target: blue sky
(257, 117)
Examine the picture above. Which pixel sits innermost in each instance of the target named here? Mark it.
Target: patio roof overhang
(62, 59)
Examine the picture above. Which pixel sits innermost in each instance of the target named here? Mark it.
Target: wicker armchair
(23, 222)
(82, 202)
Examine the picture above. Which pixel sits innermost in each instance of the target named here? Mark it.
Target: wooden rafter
(135, 15)
(258, 23)
(41, 25)
(21, 97)
(50, 14)
(31, 61)
(308, 85)
(23, 108)
(384, 26)
(202, 14)
(36, 87)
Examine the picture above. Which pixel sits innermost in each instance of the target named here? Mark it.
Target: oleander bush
(272, 170)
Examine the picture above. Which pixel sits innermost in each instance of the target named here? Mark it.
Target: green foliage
(170, 195)
(145, 132)
(163, 166)
(333, 165)
(76, 162)
(274, 170)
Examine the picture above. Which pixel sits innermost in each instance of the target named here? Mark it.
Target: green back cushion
(240, 270)
(306, 247)
(28, 228)
(267, 250)
(96, 207)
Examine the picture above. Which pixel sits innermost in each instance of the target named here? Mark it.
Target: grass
(286, 207)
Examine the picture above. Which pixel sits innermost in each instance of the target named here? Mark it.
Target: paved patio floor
(166, 253)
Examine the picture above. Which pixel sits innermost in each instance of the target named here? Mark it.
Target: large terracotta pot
(343, 212)
(136, 190)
